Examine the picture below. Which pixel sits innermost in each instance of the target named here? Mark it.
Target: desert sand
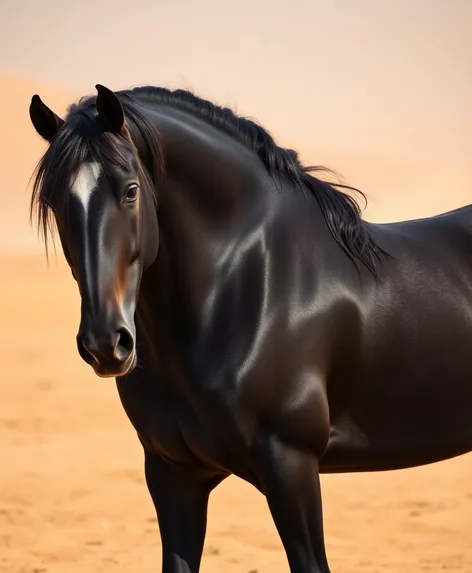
(72, 491)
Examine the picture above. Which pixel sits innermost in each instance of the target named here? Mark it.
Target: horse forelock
(82, 142)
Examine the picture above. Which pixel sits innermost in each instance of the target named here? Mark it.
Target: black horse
(256, 325)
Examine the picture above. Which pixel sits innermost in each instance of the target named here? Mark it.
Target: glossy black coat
(256, 342)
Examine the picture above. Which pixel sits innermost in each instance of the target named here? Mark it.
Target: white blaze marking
(86, 182)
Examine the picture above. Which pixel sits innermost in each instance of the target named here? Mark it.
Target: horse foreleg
(290, 482)
(180, 495)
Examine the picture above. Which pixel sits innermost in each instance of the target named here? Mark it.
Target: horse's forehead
(85, 181)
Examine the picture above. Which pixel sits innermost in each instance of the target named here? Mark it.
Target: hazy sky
(392, 77)
(331, 60)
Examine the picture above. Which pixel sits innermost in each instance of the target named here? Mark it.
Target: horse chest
(180, 429)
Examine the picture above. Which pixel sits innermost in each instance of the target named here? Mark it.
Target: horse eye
(132, 193)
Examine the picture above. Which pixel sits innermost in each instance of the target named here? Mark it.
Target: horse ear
(45, 121)
(109, 109)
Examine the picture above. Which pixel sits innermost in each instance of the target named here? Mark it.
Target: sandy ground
(72, 493)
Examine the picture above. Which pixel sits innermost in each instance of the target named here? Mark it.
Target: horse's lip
(121, 370)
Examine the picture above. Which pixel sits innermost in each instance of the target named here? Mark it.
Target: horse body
(384, 412)
(263, 350)
(404, 398)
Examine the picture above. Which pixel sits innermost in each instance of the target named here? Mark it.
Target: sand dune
(72, 492)
(398, 185)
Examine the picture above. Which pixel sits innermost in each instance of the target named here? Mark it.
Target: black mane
(340, 210)
(81, 138)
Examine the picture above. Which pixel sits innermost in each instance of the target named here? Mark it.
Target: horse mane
(80, 137)
(340, 209)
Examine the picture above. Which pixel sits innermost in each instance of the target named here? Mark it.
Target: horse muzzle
(110, 351)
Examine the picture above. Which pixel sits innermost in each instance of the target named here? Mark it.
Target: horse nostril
(85, 354)
(124, 345)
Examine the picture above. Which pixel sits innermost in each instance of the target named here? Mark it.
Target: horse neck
(214, 192)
